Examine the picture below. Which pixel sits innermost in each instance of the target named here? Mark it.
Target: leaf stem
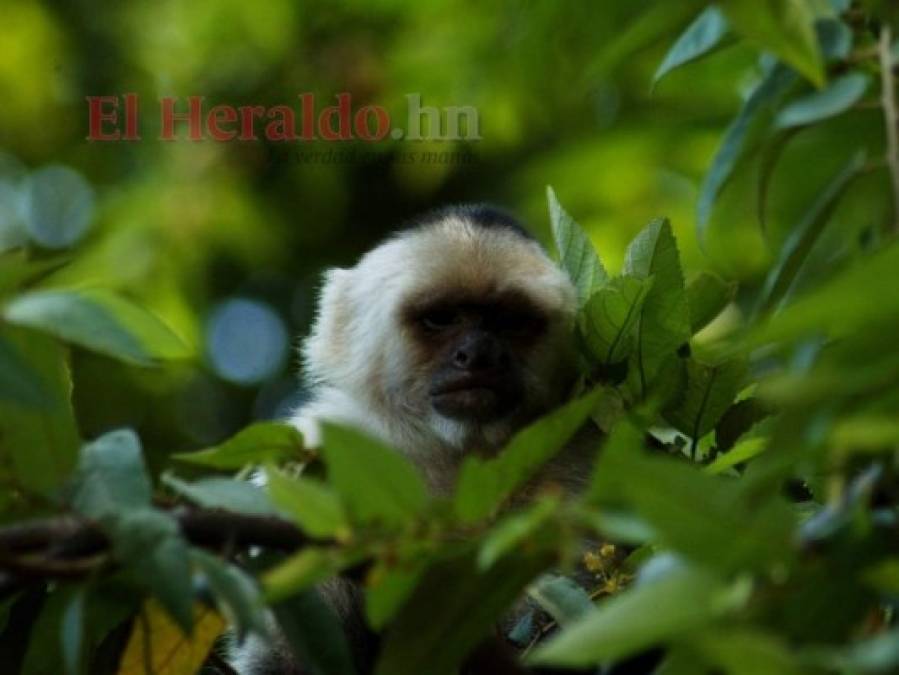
(865, 54)
(694, 444)
(891, 117)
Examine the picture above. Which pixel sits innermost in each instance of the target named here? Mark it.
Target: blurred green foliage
(183, 226)
(740, 351)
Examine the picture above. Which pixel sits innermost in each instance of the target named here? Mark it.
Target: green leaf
(237, 595)
(71, 624)
(681, 661)
(610, 317)
(561, 598)
(701, 37)
(451, 610)
(623, 442)
(649, 27)
(852, 291)
(111, 477)
(258, 443)
(741, 452)
(19, 383)
(17, 270)
(664, 322)
(649, 614)
(315, 635)
(6, 606)
(783, 27)
(514, 530)
(99, 320)
(710, 392)
(149, 543)
(883, 576)
(865, 433)
(618, 527)
(40, 444)
(753, 117)
(825, 522)
(99, 607)
(55, 642)
(112, 486)
(770, 156)
(223, 493)
(374, 481)
(311, 504)
(739, 418)
(884, 11)
(835, 39)
(575, 251)
(610, 407)
(707, 295)
(840, 6)
(840, 95)
(390, 585)
(695, 513)
(484, 485)
(741, 651)
(303, 570)
(803, 237)
(877, 654)
(72, 633)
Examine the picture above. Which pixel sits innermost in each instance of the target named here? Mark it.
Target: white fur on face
(358, 357)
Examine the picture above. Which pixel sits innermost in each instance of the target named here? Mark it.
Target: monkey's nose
(469, 359)
(478, 351)
(461, 358)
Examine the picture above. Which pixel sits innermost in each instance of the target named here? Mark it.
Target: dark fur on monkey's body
(443, 341)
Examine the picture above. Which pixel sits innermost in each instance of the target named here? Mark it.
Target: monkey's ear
(327, 346)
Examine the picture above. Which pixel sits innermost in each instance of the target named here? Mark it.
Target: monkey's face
(476, 353)
(481, 362)
(454, 334)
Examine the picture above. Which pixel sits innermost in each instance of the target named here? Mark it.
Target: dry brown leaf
(158, 647)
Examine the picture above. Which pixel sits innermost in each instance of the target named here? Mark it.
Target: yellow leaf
(158, 647)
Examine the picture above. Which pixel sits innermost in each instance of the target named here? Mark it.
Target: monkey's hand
(334, 406)
(310, 428)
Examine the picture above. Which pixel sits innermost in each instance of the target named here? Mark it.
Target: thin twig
(865, 54)
(72, 547)
(38, 534)
(867, 105)
(35, 567)
(890, 115)
(217, 527)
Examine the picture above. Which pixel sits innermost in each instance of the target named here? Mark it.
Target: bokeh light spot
(60, 206)
(246, 341)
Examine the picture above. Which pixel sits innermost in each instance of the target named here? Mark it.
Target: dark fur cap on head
(483, 215)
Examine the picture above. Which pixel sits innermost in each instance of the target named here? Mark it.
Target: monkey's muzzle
(474, 398)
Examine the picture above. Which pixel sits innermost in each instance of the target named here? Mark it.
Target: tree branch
(891, 118)
(73, 547)
(213, 528)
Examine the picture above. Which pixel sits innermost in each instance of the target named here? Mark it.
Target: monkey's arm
(329, 404)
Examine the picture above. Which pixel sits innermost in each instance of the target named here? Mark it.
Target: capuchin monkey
(441, 342)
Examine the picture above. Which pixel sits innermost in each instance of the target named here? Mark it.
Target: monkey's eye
(438, 319)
